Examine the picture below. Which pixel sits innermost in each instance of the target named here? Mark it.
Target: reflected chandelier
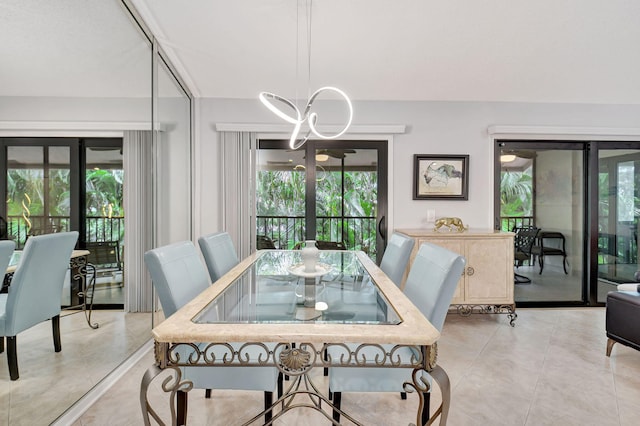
(298, 118)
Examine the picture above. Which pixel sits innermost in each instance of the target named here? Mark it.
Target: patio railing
(357, 233)
(98, 228)
(507, 223)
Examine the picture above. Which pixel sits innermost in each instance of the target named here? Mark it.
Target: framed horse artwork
(440, 177)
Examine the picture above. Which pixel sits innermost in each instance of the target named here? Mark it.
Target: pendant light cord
(308, 116)
(309, 10)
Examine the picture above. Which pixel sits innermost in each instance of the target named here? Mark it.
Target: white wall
(432, 128)
(174, 199)
(174, 153)
(29, 108)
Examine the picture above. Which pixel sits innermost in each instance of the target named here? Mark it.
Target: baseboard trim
(74, 412)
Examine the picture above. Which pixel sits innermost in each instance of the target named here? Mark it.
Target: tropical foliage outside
(345, 213)
(516, 197)
(33, 209)
(516, 204)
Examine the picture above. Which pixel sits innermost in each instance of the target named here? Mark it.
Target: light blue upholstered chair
(396, 256)
(219, 254)
(7, 248)
(430, 285)
(35, 290)
(178, 276)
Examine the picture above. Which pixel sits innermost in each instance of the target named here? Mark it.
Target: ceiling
(582, 51)
(516, 50)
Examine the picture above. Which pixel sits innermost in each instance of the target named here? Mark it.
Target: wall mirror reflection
(75, 126)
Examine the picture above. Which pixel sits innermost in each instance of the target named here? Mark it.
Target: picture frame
(440, 177)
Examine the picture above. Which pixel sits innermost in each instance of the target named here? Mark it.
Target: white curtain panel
(138, 158)
(238, 174)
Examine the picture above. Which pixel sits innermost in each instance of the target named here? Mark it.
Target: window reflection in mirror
(78, 62)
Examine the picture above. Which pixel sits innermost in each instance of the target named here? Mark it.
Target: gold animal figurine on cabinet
(450, 223)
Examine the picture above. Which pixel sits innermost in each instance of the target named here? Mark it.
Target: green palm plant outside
(282, 193)
(26, 199)
(516, 194)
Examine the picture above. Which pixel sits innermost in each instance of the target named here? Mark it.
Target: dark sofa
(622, 317)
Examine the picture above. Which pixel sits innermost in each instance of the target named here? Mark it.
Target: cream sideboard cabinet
(487, 283)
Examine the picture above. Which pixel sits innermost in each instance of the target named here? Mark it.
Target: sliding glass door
(63, 184)
(39, 183)
(618, 188)
(327, 190)
(583, 200)
(542, 186)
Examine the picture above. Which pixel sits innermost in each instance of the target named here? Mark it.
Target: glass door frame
(74, 170)
(591, 166)
(310, 148)
(593, 211)
(116, 142)
(583, 146)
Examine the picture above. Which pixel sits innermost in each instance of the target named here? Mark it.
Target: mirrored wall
(86, 69)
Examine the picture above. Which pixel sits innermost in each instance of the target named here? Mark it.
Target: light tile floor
(50, 382)
(550, 369)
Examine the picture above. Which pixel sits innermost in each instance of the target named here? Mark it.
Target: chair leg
(325, 372)
(181, 409)
(541, 263)
(55, 324)
(12, 357)
(427, 406)
(280, 385)
(610, 343)
(337, 399)
(268, 401)
(207, 393)
(1, 344)
(520, 279)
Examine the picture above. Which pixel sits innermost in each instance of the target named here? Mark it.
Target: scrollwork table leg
(442, 379)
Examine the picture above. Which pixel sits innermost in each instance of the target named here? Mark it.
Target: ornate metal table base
(510, 310)
(295, 361)
(79, 271)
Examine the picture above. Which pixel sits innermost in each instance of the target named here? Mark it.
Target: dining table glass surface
(270, 311)
(277, 289)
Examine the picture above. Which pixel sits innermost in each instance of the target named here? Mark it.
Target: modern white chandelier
(311, 118)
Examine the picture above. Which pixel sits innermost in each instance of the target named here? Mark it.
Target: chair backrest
(432, 281)
(524, 238)
(396, 256)
(7, 247)
(219, 254)
(4, 228)
(263, 242)
(36, 286)
(177, 273)
(330, 245)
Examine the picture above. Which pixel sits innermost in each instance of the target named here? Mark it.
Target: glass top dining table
(270, 301)
(275, 289)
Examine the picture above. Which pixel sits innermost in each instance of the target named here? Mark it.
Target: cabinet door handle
(470, 270)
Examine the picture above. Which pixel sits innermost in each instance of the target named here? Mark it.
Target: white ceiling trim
(69, 128)
(563, 133)
(389, 129)
(144, 14)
